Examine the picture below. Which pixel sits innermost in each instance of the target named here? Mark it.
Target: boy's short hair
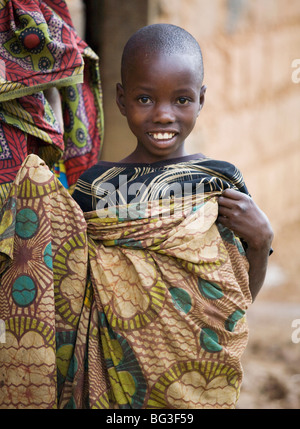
(161, 38)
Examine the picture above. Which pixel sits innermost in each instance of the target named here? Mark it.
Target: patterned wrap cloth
(109, 312)
(40, 49)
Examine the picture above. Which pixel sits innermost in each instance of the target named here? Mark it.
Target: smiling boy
(205, 281)
(161, 96)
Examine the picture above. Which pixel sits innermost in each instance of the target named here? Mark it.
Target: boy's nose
(163, 114)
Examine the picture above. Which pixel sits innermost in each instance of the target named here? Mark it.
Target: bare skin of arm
(238, 212)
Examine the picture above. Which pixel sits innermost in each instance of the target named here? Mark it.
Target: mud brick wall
(252, 111)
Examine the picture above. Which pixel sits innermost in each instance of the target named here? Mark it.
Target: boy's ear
(202, 97)
(120, 98)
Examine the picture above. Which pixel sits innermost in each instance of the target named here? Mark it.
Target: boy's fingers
(225, 202)
(224, 211)
(232, 198)
(224, 221)
(232, 193)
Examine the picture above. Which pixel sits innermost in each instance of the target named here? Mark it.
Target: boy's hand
(238, 212)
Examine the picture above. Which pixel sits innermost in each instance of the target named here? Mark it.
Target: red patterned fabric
(40, 49)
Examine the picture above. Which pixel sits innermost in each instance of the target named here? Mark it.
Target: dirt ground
(271, 361)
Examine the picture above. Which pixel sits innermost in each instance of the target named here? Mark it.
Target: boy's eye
(183, 100)
(144, 100)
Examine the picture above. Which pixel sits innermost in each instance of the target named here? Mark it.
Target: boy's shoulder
(220, 163)
(83, 192)
(225, 170)
(223, 167)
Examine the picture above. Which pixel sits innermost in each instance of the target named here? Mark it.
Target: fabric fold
(113, 312)
(40, 50)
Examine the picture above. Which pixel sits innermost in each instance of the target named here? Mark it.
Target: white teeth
(162, 136)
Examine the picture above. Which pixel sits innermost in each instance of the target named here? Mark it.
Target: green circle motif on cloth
(27, 223)
(209, 340)
(209, 289)
(48, 256)
(75, 128)
(232, 320)
(228, 235)
(67, 364)
(24, 291)
(66, 361)
(126, 377)
(181, 299)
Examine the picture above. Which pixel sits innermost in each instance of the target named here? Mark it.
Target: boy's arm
(238, 212)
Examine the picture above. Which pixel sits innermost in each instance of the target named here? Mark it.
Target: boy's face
(161, 99)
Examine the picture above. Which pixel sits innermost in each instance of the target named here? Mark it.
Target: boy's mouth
(162, 136)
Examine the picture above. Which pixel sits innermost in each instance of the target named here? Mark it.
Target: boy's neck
(144, 157)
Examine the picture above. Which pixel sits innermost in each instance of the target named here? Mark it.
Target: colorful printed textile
(39, 49)
(118, 182)
(108, 312)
